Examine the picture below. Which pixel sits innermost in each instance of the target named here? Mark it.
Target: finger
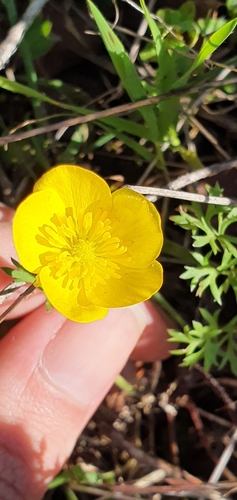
(6, 213)
(154, 338)
(153, 343)
(54, 373)
(7, 251)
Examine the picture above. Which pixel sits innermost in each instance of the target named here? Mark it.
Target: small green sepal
(48, 306)
(20, 274)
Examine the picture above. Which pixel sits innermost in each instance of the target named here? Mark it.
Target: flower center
(83, 250)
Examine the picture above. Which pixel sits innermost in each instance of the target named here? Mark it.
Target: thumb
(54, 373)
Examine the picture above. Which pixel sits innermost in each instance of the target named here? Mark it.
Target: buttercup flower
(90, 250)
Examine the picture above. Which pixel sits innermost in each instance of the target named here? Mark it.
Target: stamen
(84, 251)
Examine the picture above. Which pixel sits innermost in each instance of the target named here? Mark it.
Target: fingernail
(84, 359)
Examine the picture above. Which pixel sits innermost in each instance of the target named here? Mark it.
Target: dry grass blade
(14, 37)
(9, 289)
(29, 290)
(190, 178)
(123, 109)
(224, 459)
(182, 195)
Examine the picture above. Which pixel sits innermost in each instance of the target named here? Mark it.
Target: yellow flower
(90, 250)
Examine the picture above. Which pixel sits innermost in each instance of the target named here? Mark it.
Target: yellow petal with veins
(34, 212)
(138, 226)
(69, 302)
(76, 186)
(130, 287)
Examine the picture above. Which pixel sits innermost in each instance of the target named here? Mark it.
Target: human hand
(54, 373)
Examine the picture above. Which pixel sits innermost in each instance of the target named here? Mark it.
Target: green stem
(161, 161)
(124, 385)
(169, 309)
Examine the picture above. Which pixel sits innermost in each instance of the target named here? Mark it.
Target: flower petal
(76, 186)
(139, 226)
(33, 213)
(66, 300)
(135, 285)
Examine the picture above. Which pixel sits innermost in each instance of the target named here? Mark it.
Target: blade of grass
(215, 40)
(31, 75)
(116, 122)
(124, 68)
(140, 150)
(100, 142)
(32, 82)
(169, 309)
(156, 34)
(125, 386)
(165, 75)
(209, 46)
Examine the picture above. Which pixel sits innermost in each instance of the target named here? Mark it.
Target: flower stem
(24, 294)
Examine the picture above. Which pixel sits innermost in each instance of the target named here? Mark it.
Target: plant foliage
(215, 271)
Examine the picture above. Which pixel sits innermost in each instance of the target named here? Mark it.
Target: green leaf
(186, 221)
(215, 40)
(201, 241)
(178, 337)
(203, 260)
(141, 151)
(39, 37)
(125, 68)
(165, 77)
(18, 88)
(69, 494)
(20, 274)
(209, 25)
(227, 245)
(209, 46)
(231, 5)
(227, 261)
(229, 355)
(195, 274)
(21, 271)
(182, 18)
(48, 305)
(210, 281)
(211, 319)
(23, 275)
(210, 354)
(229, 218)
(192, 359)
(78, 138)
(124, 385)
(58, 481)
(156, 34)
